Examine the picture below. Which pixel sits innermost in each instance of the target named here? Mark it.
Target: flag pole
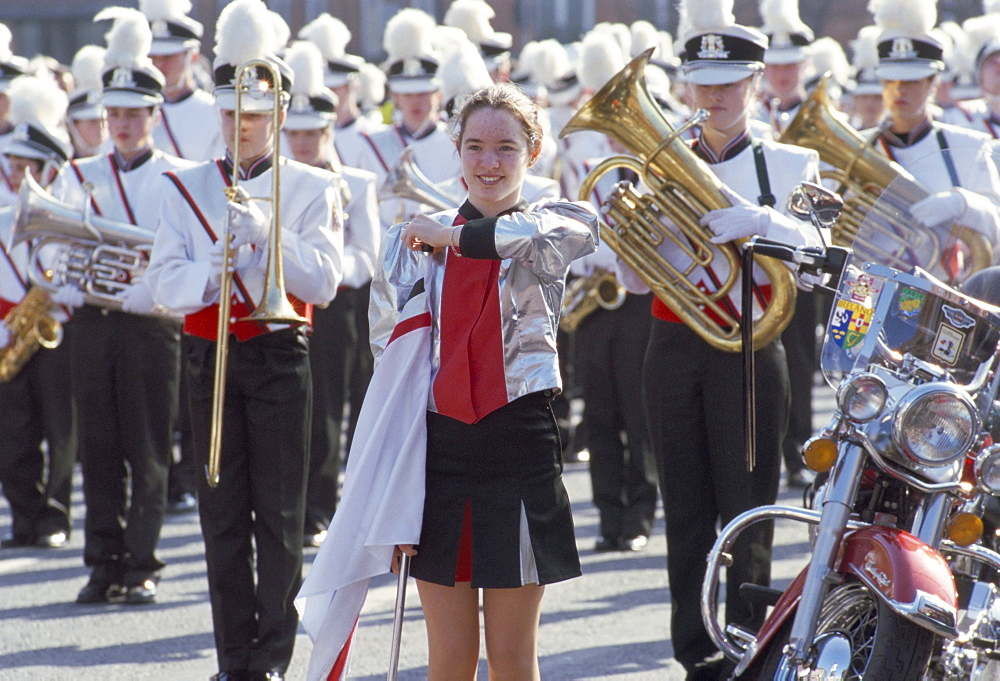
(397, 619)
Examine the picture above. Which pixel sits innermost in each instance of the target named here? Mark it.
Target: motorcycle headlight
(935, 424)
(862, 397)
(988, 469)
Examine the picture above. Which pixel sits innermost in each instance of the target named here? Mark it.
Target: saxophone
(31, 327)
(585, 294)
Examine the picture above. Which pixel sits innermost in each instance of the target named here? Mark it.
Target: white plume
(282, 32)
(88, 63)
(5, 39)
(991, 6)
(409, 34)
(981, 30)
(621, 34)
(38, 100)
(547, 62)
(307, 63)
(445, 40)
(958, 51)
(244, 31)
(371, 85)
(164, 9)
(600, 59)
(781, 17)
(906, 17)
(644, 36)
(828, 55)
(865, 47)
(128, 40)
(473, 17)
(463, 71)
(700, 16)
(329, 33)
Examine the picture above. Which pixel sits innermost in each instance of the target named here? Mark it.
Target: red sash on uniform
(471, 381)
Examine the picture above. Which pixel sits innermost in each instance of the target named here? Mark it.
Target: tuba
(406, 181)
(864, 175)
(31, 327)
(274, 304)
(683, 189)
(599, 289)
(101, 257)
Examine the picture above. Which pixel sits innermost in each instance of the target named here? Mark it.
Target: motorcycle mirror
(819, 205)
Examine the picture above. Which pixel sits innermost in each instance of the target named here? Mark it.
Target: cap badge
(21, 132)
(94, 97)
(255, 86)
(902, 48)
(412, 67)
(122, 78)
(160, 29)
(712, 47)
(300, 103)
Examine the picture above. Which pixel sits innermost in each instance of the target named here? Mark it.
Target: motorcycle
(901, 583)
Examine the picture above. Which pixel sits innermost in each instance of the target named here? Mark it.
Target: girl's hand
(422, 230)
(397, 554)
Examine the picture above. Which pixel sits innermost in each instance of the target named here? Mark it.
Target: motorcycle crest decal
(849, 323)
(864, 290)
(910, 301)
(948, 344)
(957, 317)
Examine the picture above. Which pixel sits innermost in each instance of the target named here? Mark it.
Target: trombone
(274, 304)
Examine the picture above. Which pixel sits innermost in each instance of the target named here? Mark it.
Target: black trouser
(609, 350)
(799, 339)
(183, 469)
(694, 403)
(259, 502)
(338, 348)
(36, 406)
(125, 372)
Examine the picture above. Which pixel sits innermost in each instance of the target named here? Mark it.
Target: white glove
(241, 258)
(741, 220)
(68, 295)
(247, 222)
(4, 335)
(936, 209)
(137, 299)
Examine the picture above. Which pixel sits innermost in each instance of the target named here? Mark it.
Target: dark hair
(502, 97)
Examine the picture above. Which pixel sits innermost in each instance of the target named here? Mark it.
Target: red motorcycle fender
(783, 609)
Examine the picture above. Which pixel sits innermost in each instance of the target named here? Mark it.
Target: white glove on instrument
(247, 222)
(936, 209)
(4, 335)
(68, 295)
(741, 220)
(241, 258)
(137, 299)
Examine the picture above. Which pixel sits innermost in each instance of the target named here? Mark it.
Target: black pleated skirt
(507, 469)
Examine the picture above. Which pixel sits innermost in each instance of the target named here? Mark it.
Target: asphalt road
(612, 623)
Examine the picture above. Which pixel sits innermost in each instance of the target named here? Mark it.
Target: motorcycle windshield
(899, 295)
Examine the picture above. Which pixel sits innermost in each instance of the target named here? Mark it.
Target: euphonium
(406, 181)
(274, 305)
(31, 327)
(585, 294)
(864, 176)
(683, 189)
(101, 257)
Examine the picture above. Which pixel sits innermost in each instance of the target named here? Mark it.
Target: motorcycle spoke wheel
(853, 611)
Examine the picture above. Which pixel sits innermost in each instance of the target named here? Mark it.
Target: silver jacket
(537, 246)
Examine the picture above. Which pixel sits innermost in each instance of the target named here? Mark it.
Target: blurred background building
(59, 27)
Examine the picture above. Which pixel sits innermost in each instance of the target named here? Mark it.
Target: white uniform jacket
(534, 246)
(189, 128)
(362, 231)
(193, 216)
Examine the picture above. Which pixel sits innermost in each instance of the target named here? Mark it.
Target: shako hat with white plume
(313, 106)
(787, 35)
(173, 30)
(908, 49)
(331, 36)
(717, 50)
(11, 65)
(462, 72)
(865, 60)
(245, 32)
(473, 17)
(85, 99)
(37, 109)
(129, 78)
(412, 65)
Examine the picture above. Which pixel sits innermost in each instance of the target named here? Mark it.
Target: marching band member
(693, 394)
(983, 113)
(473, 17)
(124, 362)
(252, 521)
(175, 50)
(416, 95)
(866, 93)
(948, 161)
(85, 114)
(37, 406)
(339, 355)
(343, 75)
(495, 516)
(11, 66)
(785, 61)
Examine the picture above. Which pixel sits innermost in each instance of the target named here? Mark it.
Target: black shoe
(51, 541)
(142, 592)
(185, 503)
(233, 675)
(17, 541)
(606, 544)
(313, 539)
(636, 543)
(100, 592)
